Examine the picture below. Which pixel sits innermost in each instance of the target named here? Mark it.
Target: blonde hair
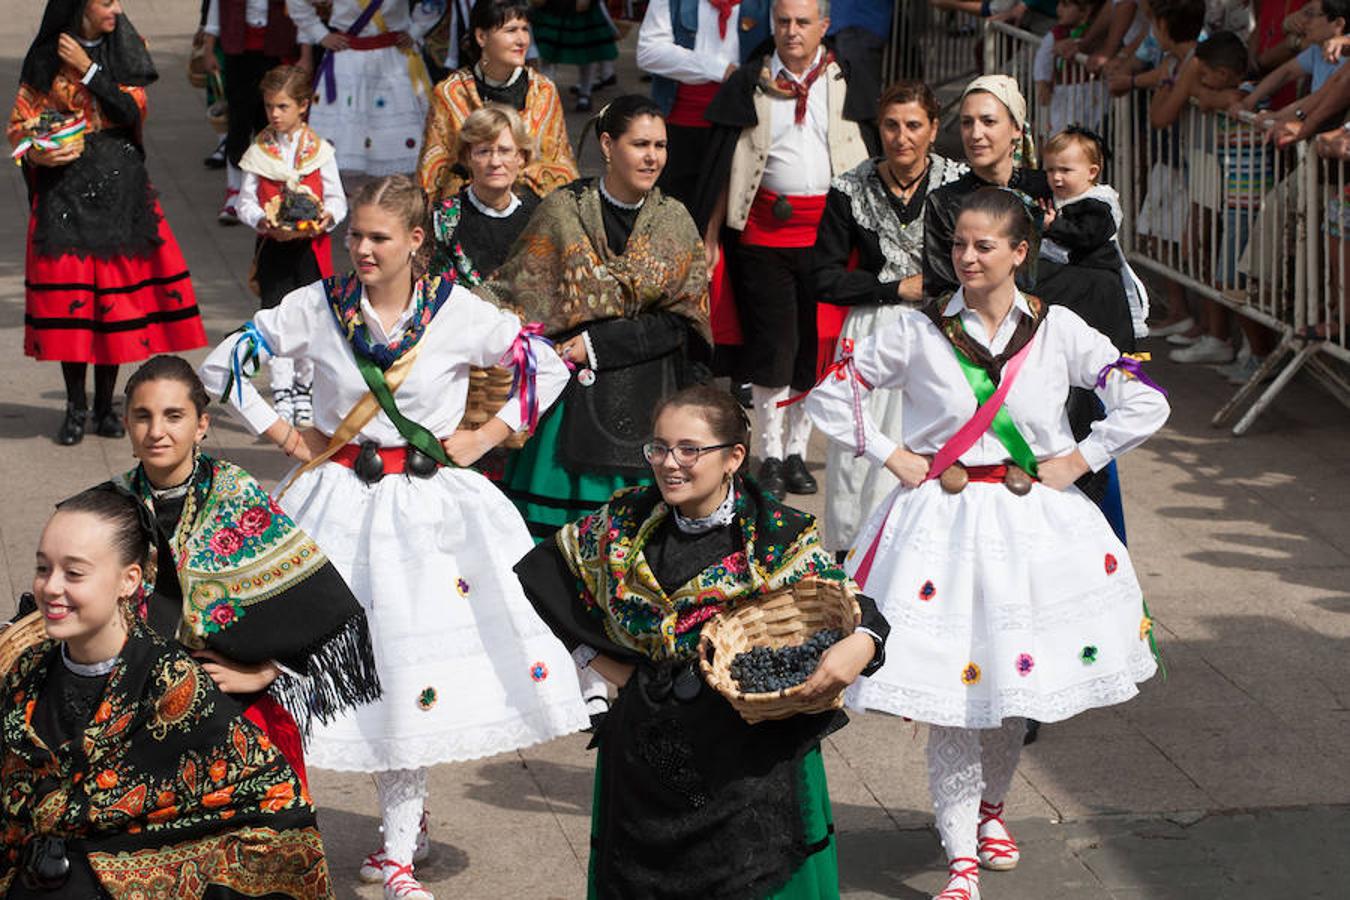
(294, 81)
(486, 123)
(1063, 140)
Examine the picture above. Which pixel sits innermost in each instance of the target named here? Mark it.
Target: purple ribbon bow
(1130, 366)
(525, 370)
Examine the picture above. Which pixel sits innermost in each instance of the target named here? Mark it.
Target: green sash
(1003, 427)
(415, 434)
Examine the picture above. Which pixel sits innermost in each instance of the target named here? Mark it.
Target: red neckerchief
(724, 8)
(801, 90)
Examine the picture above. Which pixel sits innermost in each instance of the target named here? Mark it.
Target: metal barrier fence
(1210, 205)
(940, 47)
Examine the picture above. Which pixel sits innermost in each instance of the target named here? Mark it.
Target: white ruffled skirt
(467, 667)
(375, 122)
(1000, 606)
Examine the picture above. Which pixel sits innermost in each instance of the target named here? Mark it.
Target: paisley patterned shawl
(256, 587)
(562, 272)
(169, 791)
(266, 158)
(954, 330)
(616, 586)
(344, 299)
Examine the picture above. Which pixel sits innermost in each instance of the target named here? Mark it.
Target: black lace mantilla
(101, 204)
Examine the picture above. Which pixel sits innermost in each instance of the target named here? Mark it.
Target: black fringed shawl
(238, 576)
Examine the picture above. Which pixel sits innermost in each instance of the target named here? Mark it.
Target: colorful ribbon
(525, 371)
(1131, 365)
(325, 72)
(254, 345)
(49, 141)
(844, 368)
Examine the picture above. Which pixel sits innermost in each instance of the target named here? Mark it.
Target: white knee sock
(606, 69)
(234, 176)
(585, 78)
(770, 419)
(403, 794)
(798, 430)
(1000, 749)
(283, 373)
(955, 782)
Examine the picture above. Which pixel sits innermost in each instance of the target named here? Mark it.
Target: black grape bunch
(762, 670)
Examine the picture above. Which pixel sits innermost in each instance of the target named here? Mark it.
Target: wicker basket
(780, 619)
(489, 389)
(310, 228)
(18, 637)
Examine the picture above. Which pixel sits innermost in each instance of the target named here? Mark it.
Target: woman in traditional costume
(238, 584)
(873, 214)
(425, 543)
(125, 772)
(104, 280)
(475, 229)
(996, 138)
(614, 271)
(1011, 596)
(371, 88)
(690, 801)
(494, 51)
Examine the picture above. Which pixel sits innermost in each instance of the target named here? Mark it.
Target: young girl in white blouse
(1010, 596)
(425, 543)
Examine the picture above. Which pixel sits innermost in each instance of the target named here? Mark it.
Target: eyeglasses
(685, 455)
(483, 154)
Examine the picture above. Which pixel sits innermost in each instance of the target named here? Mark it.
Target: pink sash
(951, 451)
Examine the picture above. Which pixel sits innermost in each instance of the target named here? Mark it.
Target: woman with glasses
(690, 800)
(613, 269)
(495, 73)
(474, 230)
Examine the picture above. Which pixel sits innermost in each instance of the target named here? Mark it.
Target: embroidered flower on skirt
(462, 586)
(1088, 655)
(538, 671)
(970, 674)
(427, 699)
(1145, 628)
(928, 591)
(1025, 664)
(1111, 564)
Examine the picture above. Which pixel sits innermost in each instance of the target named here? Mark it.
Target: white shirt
(396, 16)
(914, 357)
(658, 53)
(255, 16)
(466, 332)
(799, 155)
(334, 198)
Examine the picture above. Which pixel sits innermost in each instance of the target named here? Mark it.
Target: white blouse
(416, 20)
(914, 357)
(465, 332)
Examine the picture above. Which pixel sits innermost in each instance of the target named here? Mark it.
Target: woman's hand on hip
(910, 468)
(1062, 471)
(236, 677)
(613, 671)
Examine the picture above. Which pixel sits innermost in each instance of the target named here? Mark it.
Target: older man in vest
(781, 135)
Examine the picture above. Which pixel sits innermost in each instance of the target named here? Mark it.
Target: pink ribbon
(525, 372)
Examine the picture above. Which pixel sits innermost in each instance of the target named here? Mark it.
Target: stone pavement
(1227, 779)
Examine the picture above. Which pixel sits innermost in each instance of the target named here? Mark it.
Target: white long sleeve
(249, 209)
(308, 25)
(334, 197)
(878, 362)
(707, 61)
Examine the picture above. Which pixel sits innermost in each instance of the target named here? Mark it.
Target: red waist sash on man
(690, 102)
(783, 220)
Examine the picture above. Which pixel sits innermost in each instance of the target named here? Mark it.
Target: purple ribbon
(325, 72)
(525, 371)
(1130, 366)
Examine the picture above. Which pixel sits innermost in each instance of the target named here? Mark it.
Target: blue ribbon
(253, 344)
(1130, 366)
(525, 371)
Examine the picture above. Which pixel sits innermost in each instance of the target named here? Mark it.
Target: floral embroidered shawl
(169, 791)
(255, 587)
(562, 272)
(344, 299)
(616, 586)
(266, 159)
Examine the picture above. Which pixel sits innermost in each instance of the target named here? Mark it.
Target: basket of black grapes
(759, 654)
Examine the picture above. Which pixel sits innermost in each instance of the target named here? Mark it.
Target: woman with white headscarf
(1000, 153)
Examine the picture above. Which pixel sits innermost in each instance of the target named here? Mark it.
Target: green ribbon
(1003, 427)
(415, 434)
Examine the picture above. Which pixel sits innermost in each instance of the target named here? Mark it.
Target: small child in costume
(292, 196)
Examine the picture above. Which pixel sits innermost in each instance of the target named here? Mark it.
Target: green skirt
(817, 877)
(547, 495)
(574, 38)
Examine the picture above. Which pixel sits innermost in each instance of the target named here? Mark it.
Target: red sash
(322, 246)
(798, 230)
(280, 727)
(690, 102)
(374, 42)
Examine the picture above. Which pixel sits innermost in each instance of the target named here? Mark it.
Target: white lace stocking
(769, 419)
(403, 793)
(1001, 748)
(955, 782)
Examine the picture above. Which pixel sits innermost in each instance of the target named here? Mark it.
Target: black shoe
(605, 83)
(771, 478)
(108, 424)
(217, 159)
(72, 429)
(743, 395)
(1033, 732)
(584, 103)
(798, 480)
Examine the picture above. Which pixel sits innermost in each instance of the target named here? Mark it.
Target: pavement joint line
(1165, 755)
(552, 810)
(885, 810)
(1059, 813)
